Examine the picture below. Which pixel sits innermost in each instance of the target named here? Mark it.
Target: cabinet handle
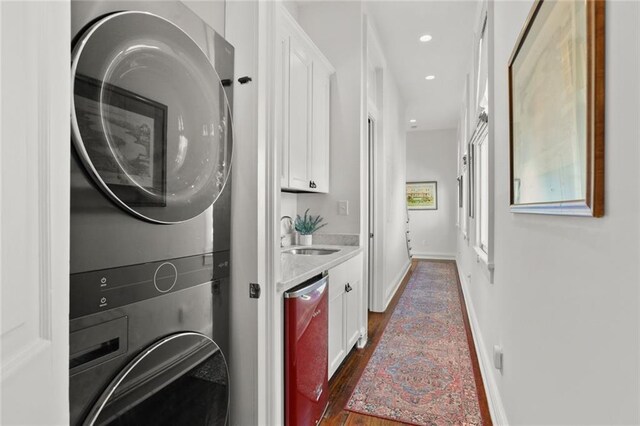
(348, 288)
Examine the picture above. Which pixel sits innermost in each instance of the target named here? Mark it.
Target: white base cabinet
(345, 305)
(303, 85)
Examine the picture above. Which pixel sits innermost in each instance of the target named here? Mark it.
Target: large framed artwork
(556, 110)
(131, 158)
(422, 195)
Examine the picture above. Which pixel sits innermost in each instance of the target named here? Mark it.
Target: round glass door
(150, 118)
(181, 380)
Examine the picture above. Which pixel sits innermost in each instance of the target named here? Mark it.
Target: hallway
(427, 317)
(338, 212)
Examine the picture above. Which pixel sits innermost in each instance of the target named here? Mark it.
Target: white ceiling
(434, 104)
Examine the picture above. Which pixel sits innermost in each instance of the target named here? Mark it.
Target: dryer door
(181, 380)
(150, 119)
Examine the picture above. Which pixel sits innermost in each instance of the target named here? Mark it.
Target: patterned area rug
(421, 372)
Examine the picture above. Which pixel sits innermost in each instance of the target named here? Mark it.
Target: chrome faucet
(286, 234)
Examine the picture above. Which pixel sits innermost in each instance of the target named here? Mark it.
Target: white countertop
(296, 268)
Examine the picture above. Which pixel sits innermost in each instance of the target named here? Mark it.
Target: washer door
(181, 380)
(150, 118)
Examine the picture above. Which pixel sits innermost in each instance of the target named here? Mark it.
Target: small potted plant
(306, 226)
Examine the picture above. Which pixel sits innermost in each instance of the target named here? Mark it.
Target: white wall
(289, 204)
(564, 303)
(288, 207)
(335, 27)
(431, 156)
(394, 253)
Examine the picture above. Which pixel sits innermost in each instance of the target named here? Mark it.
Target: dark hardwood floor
(346, 378)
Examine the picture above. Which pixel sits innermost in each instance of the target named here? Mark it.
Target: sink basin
(311, 251)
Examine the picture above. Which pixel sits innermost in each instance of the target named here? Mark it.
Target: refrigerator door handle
(305, 289)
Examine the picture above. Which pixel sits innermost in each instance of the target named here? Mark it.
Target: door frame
(374, 180)
(375, 210)
(372, 237)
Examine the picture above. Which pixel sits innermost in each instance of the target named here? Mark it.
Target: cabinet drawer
(340, 275)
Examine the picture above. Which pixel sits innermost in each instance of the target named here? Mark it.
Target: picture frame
(139, 127)
(422, 195)
(556, 110)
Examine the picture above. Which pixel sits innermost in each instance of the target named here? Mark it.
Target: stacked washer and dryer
(150, 216)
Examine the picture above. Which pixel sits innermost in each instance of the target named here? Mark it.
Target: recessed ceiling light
(430, 77)
(425, 38)
(413, 121)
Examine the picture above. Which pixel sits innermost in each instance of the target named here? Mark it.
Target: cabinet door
(321, 128)
(34, 230)
(300, 110)
(353, 303)
(344, 309)
(337, 338)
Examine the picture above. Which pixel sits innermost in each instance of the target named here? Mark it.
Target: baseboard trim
(398, 280)
(496, 408)
(434, 256)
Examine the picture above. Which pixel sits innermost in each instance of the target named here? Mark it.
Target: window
(482, 196)
(464, 161)
(482, 69)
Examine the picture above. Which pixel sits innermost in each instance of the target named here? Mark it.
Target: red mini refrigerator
(306, 352)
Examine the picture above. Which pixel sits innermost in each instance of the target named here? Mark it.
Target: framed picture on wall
(422, 195)
(556, 110)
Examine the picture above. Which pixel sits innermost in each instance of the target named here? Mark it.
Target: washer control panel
(97, 291)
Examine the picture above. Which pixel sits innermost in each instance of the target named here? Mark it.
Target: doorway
(371, 228)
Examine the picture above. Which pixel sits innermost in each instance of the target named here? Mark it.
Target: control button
(103, 280)
(103, 300)
(165, 277)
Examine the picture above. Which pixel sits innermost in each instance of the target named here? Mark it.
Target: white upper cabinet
(300, 114)
(302, 108)
(320, 137)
